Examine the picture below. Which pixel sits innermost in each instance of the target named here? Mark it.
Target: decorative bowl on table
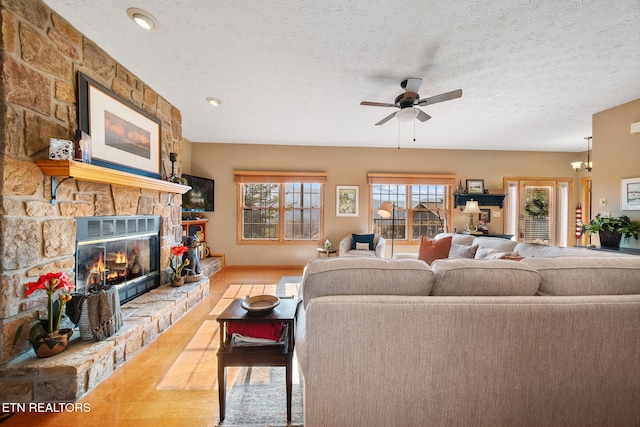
(260, 304)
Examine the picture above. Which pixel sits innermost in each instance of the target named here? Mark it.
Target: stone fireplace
(41, 55)
(120, 251)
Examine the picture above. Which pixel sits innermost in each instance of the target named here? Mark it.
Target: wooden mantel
(87, 172)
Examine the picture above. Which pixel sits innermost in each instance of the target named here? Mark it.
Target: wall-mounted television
(200, 197)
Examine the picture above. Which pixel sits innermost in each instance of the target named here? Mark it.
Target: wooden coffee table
(279, 354)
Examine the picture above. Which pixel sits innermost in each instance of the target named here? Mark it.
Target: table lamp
(471, 208)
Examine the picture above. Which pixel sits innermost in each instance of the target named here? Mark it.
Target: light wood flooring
(172, 381)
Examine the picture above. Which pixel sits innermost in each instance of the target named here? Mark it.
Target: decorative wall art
(123, 136)
(347, 200)
(485, 215)
(630, 194)
(475, 186)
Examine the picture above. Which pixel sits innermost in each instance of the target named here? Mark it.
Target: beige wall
(349, 166)
(186, 156)
(616, 155)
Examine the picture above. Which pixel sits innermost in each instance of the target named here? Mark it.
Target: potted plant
(611, 229)
(45, 336)
(177, 264)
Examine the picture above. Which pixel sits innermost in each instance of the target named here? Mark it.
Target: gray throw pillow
(462, 251)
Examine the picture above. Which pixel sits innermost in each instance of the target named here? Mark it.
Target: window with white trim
(280, 207)
(421, 202)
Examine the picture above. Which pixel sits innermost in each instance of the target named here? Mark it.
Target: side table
(327, 252)
(277, 354)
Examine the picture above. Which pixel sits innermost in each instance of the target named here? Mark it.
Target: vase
(609, 239)
(178, 281)
(46, 345)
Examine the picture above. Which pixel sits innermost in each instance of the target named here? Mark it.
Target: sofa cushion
(472, 277)
(587, 275)
(431, 250)
(365, 276)
(362, 238)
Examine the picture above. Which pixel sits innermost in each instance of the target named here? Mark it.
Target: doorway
(538, 209)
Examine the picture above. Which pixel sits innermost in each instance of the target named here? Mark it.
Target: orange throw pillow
(431, 250)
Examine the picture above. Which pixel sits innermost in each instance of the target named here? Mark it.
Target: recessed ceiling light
(214, 101)
(143, 18)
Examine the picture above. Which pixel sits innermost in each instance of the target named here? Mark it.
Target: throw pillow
(362, 246)
(462, 251)
(362, 238)
(431, 250)
(489, 253)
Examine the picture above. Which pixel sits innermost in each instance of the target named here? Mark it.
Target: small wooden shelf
(87, 172)
(482, 199)
(199, 224)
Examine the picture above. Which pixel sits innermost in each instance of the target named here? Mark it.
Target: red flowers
(174, 261)
(50, 282)
(179, 250)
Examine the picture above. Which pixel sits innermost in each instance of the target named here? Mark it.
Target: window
(280, 207)
(421, 205)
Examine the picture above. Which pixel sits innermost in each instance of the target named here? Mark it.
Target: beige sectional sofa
(466, 342)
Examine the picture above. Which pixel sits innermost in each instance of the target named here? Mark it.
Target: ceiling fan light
(407, 114)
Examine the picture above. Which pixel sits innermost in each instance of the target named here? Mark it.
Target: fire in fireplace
(121, 251)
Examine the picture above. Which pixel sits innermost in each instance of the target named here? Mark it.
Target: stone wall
(40, 59)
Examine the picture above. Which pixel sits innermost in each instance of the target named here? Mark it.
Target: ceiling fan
(409, 100)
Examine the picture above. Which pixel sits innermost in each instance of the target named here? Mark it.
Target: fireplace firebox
(121, 251)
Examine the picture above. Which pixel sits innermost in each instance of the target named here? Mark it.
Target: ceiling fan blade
(377, 104)
(442, 97)
(422, 116)
(413, 85)
(386, 119)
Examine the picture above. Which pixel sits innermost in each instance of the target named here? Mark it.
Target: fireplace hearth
(121, 251)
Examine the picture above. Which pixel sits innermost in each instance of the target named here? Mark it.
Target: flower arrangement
(50, 283)
(174, 262)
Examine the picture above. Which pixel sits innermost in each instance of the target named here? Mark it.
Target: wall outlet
(602, 202)
(497, 214)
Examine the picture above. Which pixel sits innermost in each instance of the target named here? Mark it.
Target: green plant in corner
(621, 224)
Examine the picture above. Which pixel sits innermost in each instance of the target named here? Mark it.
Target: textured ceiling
(294, 72)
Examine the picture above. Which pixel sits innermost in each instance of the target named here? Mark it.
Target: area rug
(259, 398)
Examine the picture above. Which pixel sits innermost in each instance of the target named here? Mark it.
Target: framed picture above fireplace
(124, 137)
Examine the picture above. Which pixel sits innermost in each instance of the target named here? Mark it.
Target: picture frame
(484, 215)
(630, 194)
(475, 186)
(123, 136)
(347, 200)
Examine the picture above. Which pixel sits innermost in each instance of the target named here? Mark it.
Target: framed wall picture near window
(630, 194)
(475, 186)
(347, 200)
(123, 136)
